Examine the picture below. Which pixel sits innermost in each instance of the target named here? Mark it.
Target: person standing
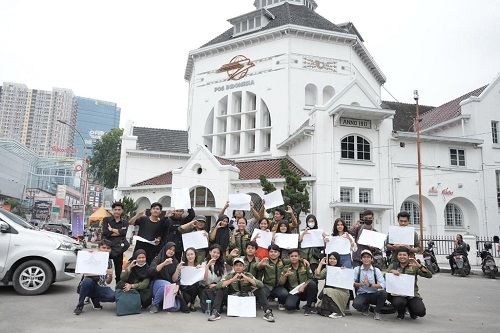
(171, 231)
(114, 229)
(404, 220)
(410, 266)
(252, 223)
(150, 228)
(356, 231)
(370, 285)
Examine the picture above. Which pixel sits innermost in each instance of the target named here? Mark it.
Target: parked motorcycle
(488, 264)
(460, 264)
(430, 258)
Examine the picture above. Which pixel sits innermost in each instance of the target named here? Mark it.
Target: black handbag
(119, 246)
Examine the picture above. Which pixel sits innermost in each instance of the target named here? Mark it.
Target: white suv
(32, 260)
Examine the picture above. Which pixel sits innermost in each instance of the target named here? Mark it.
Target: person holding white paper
(240, 283)
(264, 226)
(283, 227)
(408, 265)
(198, 224)
(96, 286)
(252, 223)
(215, 270)
(240, 237)
(296, 274)
(404, 220)
(311, 254)
(189, 293)
(340, 230)
(356, 231)
(333, 301)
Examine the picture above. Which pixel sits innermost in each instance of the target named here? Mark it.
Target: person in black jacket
(171, 232)
(114, 229)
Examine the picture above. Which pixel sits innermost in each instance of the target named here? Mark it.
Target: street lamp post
(85, 163)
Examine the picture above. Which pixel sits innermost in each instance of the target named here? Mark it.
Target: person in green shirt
(249, 257)
(404, 220)
(240, 284)
(135, 276)
(198, 224)
(409, 265)
(299, 275)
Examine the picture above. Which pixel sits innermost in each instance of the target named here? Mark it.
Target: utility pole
(419, 167)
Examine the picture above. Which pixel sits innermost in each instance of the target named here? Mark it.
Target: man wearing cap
(356, 231)
(370, 284)
(240, 283)
(408, 265)
(198, 224)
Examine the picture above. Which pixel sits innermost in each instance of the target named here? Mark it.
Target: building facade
(286, 84)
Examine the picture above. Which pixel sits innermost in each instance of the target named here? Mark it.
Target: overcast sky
(134, 53)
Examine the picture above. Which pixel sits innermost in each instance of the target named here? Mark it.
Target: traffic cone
(124, 262)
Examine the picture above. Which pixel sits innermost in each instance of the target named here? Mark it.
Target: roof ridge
(163, 129)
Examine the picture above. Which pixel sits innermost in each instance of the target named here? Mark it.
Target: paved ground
(453, 303)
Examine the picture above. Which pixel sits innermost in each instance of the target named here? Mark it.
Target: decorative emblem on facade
(237, 68)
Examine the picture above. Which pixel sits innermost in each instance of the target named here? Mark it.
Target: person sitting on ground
(164, 270)
(96, 286)
(299, 275)
(334, 300)
(215, 270)
(135, 276)
(189, 292)
(370, 285)
(240, 284)
(409, 265)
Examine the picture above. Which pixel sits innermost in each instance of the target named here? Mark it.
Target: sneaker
(153, 308)
(78, 311)
(87, 300)
(335, 316)
(96, 304)
(401, 316)
(215, 316)
(281, 307)
(308, 311)
(366, 312)
(376, 316)
(268, 316)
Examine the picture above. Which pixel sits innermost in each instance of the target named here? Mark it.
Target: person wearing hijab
(333, 300)
(221, 234)
(311, 254)
(135, 276)
(164, 270)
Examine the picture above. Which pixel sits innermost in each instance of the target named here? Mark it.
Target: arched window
(454, 216)
(355, 147)
(166, 201)
(202, 197)
(311, 94)
(328, 93)
(413, 209)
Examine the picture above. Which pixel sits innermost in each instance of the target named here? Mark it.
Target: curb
(473, 271)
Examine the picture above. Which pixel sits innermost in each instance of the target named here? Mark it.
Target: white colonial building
(287, 84)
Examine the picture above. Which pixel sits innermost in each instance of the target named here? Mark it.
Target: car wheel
(33, 277)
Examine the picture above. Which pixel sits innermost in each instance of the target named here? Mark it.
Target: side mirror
(4, 227)
(496, 239)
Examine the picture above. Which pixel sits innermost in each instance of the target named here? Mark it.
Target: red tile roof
(163, 179)
(248, 170)
(446, 111)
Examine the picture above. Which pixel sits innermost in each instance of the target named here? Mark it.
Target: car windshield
(16, 219)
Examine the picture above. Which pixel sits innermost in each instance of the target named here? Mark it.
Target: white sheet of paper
(296, 289)
(287, 241)
(169, 296)
(340, 278)
(180, 198)
(196, 239)
(401, 235)
(92, 262)
(191, 275)
(403, 284)
(265, 237)
(372, 238)
(239, 201)
(144, 240)
(241, 306)
(273, 199)
(313, 238)
(338, 244)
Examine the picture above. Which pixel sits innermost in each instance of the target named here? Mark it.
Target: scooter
(488, 264)
(460, 264)
(430, 258)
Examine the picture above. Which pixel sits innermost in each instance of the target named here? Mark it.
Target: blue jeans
(279, 292)
(158, 288)
(89, 288)
(362, 301)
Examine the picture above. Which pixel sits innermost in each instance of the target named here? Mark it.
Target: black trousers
(415, 305)
(310, 295)
(118, 262)
(189, 293)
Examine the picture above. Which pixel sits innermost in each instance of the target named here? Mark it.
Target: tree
(105, 160)
(294, 192)
(129, 206)
(16, 207)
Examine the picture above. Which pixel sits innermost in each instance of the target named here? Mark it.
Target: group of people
(234, 264)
